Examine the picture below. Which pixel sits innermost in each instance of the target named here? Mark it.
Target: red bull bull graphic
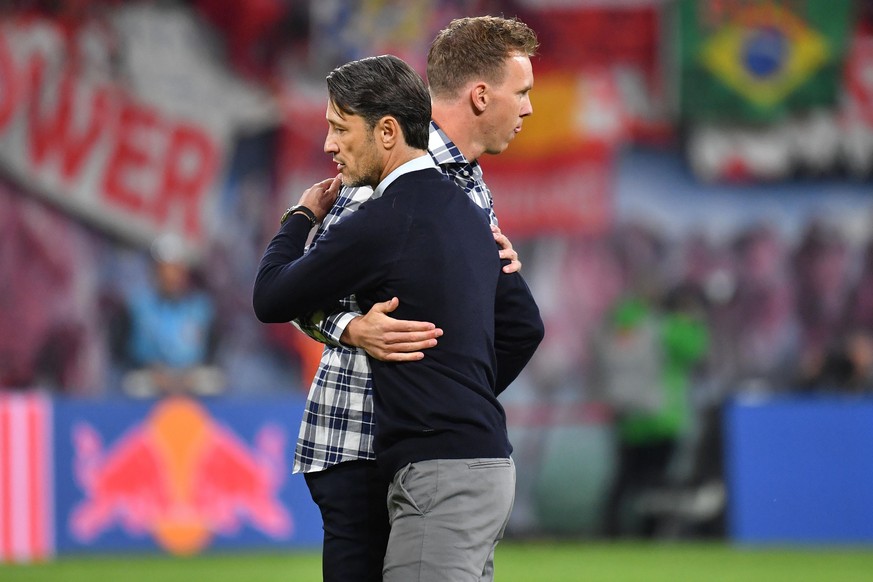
(182, 480)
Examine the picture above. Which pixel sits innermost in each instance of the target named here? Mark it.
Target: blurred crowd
(659, 328)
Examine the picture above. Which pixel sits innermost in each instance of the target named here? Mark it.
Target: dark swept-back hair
(476, 48)
(385, 85)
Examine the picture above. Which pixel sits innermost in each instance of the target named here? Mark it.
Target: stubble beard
(369, 172)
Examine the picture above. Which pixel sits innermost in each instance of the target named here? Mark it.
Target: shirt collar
(442, 149)
(422, 162)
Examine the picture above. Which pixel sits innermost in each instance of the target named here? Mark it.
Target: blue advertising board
(179, 475)
(800, 470)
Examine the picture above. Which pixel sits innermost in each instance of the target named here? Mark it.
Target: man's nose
(526, 108)
(329, 145)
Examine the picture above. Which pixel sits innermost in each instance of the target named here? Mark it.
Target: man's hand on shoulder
(389, 339)
(506, 251)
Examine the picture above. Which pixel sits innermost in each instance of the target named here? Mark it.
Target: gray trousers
(447, 516)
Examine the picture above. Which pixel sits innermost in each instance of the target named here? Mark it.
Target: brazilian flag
(758, 60)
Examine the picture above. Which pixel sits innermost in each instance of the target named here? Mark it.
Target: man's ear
(388, 132)
(479, 97)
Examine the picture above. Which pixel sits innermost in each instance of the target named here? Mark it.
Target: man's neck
(419, 162)
(397, 157)
(459, 125)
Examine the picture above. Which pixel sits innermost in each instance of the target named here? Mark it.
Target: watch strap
(299, 208)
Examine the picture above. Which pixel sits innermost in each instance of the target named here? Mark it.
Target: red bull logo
(181, 477)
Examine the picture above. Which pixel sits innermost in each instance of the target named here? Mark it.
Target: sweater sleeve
(518, 327)
(351, 256)
(326, 326)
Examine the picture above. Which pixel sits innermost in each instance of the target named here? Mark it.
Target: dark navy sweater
(427, 243)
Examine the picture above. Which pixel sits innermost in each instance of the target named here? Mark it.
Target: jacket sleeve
(290, 284)
(326, 326)
(518, 328)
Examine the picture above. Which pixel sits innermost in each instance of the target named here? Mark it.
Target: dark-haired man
(440, 433)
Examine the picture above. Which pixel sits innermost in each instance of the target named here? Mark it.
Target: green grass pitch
(516, 562)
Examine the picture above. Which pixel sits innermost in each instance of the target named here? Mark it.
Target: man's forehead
(519, 69)
(335, 113)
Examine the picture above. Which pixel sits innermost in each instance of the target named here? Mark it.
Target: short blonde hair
(475, 48)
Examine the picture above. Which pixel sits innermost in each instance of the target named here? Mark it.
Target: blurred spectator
(645, 361)
(847, 366)
(841, 362)
(762, 322)
(165, 336)
(822, 285)
(47, 328)
(859, 304)
(257, 32)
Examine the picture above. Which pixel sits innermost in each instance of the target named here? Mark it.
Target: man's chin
(497, 150)
(351, 182)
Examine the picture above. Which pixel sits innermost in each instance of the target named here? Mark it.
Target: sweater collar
(422, 162)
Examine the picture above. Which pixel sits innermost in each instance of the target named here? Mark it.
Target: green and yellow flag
(757, 60)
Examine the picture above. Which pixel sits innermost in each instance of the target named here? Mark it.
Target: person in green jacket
(646, 361)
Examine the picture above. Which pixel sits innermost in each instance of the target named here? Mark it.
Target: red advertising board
(26, 483)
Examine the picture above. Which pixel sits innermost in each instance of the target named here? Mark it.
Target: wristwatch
(303, 210)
